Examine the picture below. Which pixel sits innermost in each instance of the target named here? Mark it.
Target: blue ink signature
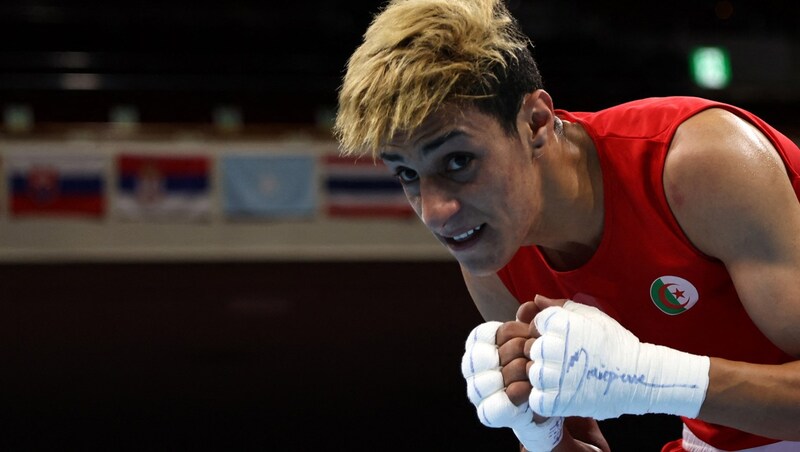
(610, 376)
(579, 362)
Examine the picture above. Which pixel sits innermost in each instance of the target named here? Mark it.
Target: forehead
(450, 122)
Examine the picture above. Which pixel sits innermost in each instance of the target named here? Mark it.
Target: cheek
(413, 200)
(506, 195)
(516, 201)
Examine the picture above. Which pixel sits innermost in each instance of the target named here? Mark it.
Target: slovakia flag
(56, 185)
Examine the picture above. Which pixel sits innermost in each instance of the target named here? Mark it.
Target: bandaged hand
(586, 364)
(486, 389)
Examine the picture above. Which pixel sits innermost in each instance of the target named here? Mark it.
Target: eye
(458, 162)
(406, 175)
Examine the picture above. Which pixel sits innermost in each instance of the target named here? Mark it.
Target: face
(475, 186)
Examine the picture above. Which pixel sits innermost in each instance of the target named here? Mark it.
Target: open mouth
(466, 237)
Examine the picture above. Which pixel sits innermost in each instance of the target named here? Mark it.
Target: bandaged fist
(586, 364)
(483, 369)
(493, 361)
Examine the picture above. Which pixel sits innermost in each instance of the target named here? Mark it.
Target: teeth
(466, 235)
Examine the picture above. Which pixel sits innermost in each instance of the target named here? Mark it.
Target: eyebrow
(427, 148)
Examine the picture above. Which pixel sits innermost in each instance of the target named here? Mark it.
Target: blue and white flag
(269, 186)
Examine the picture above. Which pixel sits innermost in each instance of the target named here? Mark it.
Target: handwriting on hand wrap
(609, 376)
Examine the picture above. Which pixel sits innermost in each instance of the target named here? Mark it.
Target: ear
(535, 119)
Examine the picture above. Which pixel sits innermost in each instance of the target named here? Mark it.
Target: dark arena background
(209, 329)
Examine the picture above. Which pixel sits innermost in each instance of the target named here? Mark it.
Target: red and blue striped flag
(161, 187)
(56, 184)
(363, 188)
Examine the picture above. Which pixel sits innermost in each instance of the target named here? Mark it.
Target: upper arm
(731, 195)
(491, 297)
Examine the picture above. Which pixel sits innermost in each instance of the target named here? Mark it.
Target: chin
(482, 267)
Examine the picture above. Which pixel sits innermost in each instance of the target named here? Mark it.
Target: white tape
(542, 437)
(586, 364)
(497, 410)
(480, 350)
(485, 332)
(484, 384)
(480, 366)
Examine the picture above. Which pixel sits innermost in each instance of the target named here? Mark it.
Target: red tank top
(645, 272)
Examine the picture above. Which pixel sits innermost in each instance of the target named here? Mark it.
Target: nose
(437, 202)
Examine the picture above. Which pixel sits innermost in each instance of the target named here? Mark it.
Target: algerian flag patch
(673, 295)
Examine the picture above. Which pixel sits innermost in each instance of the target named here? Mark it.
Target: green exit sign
(711, 67)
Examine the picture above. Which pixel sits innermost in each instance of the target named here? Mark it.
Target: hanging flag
(3, 199)
(56, 184)
(269, 186)
(160, 187)
(363, 188)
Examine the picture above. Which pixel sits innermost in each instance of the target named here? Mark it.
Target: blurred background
(219, 322)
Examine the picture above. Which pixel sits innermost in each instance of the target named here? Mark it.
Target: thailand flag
(161, 187)
(56, 184)
(363, 188)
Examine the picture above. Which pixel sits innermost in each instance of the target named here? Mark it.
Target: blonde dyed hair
(418, 55)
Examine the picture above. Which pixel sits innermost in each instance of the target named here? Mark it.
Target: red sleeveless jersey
(645, 273)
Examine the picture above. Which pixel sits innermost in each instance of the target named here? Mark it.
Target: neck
(578, 210)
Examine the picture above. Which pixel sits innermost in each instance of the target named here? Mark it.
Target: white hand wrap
(586, 364)
(480, 366)
(542, 437)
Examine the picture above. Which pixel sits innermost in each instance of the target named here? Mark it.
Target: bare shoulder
(722, 142)
(491, 297)
(729, 191)
(721, 175)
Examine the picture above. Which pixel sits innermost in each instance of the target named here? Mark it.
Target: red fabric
(90, 205)
(642, 242)
(673, 446)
